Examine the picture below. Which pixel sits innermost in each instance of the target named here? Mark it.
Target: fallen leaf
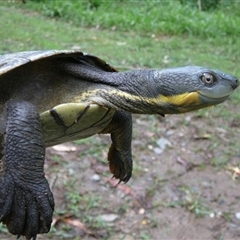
(64, 148)
(109, 217)
(235, 171)
(187, 165)
(74, 222)
(202, 136)
(78, 224)
(124, 188)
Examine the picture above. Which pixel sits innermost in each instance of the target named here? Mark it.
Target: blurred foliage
(154, 17)
(204, 5)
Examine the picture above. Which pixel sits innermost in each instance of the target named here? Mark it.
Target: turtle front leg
(26, 201)
(120, 153)
(1, 154)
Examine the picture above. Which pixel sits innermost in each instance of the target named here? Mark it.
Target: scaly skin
(26, 202)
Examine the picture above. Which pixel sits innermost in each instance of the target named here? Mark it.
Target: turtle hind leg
(120, 154)
(26, 201)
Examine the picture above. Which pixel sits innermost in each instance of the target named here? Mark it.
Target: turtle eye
(207, 78)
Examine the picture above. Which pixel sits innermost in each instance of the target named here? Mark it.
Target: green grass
(151, 17)
(146, 34)
(124, 50)
(194, 202)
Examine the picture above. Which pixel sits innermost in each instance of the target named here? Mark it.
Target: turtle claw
(26, 210)
(34, 237)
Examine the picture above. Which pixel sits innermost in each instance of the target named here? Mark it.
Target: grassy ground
(146, 17)
(162, 196)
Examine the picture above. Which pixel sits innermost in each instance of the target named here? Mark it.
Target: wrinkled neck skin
(141, 91)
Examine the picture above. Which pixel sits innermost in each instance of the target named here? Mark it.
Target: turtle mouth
(218, 93)
(213, 99)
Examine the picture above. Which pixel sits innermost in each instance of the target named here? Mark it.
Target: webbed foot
(26, 209)
(26, 201)
(120, 153)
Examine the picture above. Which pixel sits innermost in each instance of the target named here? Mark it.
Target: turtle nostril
(235, 83)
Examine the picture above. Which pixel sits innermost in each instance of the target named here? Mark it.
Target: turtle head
(167, 91)
(184, 89)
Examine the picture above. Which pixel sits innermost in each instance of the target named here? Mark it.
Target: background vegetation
(149, 17)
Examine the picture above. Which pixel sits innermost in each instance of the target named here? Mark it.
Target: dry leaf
(64, 148)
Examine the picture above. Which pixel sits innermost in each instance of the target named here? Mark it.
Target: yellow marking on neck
(181, 99)
(178, 100)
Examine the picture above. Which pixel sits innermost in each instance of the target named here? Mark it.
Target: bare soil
(184, 184)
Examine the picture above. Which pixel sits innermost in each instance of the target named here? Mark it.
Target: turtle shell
(65, 115)
(11, 61)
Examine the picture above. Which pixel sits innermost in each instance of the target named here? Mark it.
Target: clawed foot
(120, 164)
(26, 209)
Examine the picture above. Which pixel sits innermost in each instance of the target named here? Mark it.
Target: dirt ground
(183, 187)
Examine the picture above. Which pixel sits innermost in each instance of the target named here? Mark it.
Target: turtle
(53, 96)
